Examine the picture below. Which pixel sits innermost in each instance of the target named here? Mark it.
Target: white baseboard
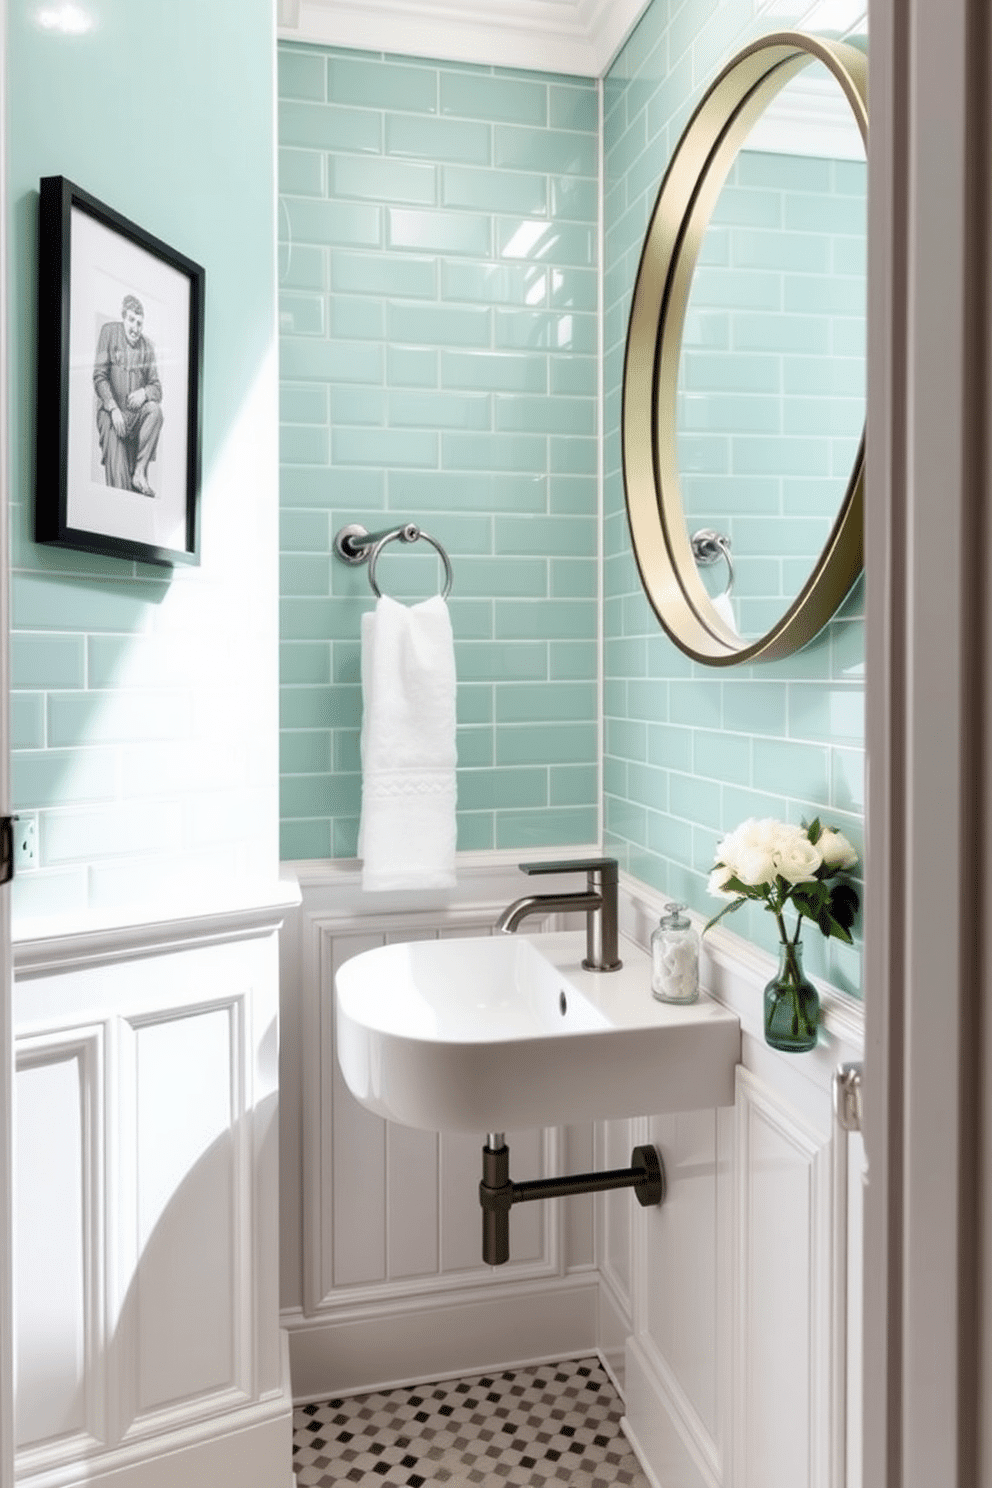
(443, 1339)
(614, 1328)
(641, 1455)
(670, 1451)
(252, 1457)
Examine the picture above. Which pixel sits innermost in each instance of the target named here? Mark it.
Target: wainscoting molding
(783, 1315)
(148, 1338)
(60, 1229)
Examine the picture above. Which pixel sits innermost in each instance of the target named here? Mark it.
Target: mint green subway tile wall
(439, 335)
(771, 400)
(691, 751)
(145, 699)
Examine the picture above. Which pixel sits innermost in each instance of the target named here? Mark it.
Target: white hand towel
(724, 608)
(407, 833)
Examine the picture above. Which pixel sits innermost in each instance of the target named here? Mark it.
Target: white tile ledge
(486, 882)
(734, 972)
(336, 872)
(56, 943)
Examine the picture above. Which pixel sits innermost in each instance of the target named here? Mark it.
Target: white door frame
(929, 583)
(6, 981)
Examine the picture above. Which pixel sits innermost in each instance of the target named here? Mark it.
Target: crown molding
(578, 37)
(810, 116)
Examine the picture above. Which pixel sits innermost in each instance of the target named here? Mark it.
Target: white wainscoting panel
(616, 1142)
(783, 1355)
(192, 1207)
(57, 1208)
(685, 1280)
(851, 1374)
(677, 1368)
(613, 1224)
(731, 1367)
(148, 1340)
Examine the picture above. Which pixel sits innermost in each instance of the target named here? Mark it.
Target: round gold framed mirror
(678, 544)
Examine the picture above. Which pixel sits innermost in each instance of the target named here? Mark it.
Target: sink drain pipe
(646, 1176)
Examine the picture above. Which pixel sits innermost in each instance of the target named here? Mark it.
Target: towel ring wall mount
(708, 547)
(354, 545)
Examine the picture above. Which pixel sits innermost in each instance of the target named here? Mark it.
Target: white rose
(836, 851)
(752, 850)
(757, 865)
(752, 835)
(725, 848)
(788, 834)
(798, 860)
(717, 883)
(759, 831)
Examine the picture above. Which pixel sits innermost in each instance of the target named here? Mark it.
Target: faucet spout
(598, 901)
(534, 904)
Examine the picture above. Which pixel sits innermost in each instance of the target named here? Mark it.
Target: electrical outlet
(25, 843)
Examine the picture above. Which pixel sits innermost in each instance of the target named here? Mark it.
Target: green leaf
(833, 928)
(814, 830)
(810, 899)
(727, 909)
(844, 905)
(745, 891)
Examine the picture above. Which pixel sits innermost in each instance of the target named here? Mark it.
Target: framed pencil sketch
(120, 360)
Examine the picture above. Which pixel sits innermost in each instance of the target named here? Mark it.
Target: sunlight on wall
(144, 704)
(152, 762)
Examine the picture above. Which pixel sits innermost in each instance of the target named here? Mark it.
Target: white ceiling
(571, 36)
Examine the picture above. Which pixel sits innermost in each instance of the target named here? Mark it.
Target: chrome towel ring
(709, 547)
(354, 545)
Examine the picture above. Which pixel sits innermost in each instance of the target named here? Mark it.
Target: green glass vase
(792, 1005)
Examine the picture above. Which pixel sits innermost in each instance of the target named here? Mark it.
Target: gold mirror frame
(703, 158)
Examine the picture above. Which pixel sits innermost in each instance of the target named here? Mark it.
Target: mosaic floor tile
(550, 1423)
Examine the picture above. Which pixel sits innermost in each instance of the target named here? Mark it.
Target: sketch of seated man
(129, 399)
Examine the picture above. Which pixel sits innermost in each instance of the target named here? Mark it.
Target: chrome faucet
(599, 900)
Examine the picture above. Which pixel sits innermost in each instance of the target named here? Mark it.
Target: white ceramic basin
(499, 1033)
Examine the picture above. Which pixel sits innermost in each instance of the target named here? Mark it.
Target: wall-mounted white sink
(504, 1032)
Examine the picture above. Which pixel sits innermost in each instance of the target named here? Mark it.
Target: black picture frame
(120, 314)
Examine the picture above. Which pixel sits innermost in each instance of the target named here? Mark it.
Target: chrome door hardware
(7, 848)
(848, 1091)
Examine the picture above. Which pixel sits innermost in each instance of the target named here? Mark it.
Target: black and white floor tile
(550, 1423)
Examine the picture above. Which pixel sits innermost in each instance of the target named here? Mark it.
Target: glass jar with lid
(675, 957)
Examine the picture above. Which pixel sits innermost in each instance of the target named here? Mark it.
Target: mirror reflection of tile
(772, 376)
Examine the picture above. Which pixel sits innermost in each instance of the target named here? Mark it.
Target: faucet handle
(607, 866)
